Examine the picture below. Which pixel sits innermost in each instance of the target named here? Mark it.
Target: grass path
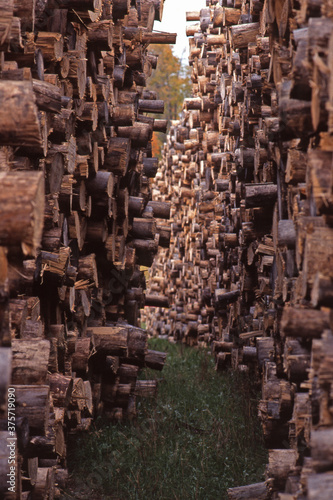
(200, 437)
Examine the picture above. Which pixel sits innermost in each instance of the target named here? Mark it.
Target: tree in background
(172, 83)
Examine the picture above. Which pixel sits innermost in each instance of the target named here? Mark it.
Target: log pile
(76, 224)
(248, 172)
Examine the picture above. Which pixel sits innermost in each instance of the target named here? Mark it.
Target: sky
(174, 21)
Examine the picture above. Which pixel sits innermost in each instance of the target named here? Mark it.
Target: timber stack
(76, 224)
(248, 173)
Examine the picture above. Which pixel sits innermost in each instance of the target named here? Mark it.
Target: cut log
(320, 486)
(260, 195)
(150, 166)
(110, 340)
(151, 106)
(139, 134)
(30, 361)
(18, 115)
(258, 491)
(118, 155)
(21, 210)
(153, 300)
(146, 388)
(297, 322)
(32, 402)
(322, 291)
(161, 210)
(243, 34)
(155, 359)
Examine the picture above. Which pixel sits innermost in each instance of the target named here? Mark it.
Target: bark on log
(153, 300)
(155, 359)
(243, 34)
(30, 361)
(151, 106)
(118, 155)
(258, 491)
(260, 195)
(33, 403)
(110, 340)
(143, 228)
(297, 322)
(21, 210)
(161, 210)
(18, 115)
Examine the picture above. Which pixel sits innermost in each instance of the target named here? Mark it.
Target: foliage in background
(172, 83)
(199, 438)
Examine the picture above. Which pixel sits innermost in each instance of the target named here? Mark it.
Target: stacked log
(76, 225)
(247, 170)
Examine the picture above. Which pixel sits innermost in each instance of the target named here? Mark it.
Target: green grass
(200, 437)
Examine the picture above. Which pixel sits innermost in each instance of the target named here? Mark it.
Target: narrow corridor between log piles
(200, 436)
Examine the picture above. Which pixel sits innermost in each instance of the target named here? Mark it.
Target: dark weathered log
(223, 298)
(280, 463)
(110, 340)
(161, 210)
(295, 117)
(164, 233)
(151, 106)
(160, 125)
(32, 402)
(136, 205)
(145, 251)
(146, 388)
(155, 359)
(87, 269)
(118, 155)
(120, 8)
(100, 35)
(319, 163)
(297, 322)
(260, 195)
(18, 310)
(150, 166)
(139, 134)
(296, 166)
(258, 491)
(81, 355)
(48, 96)
(123, 114)
(153, 300)
(101, 184)
(137, 345)
(286, 233)
(143, 228)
